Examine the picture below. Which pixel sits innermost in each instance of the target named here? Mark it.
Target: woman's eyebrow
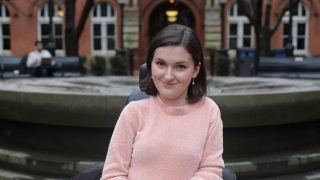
(159, 59)
(182, 62)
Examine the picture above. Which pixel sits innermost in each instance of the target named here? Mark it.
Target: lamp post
(51, 43)
(222, 10)
(121, 3)
(289, 45)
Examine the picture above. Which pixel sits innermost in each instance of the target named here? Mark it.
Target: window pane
(111, 10)
(7, 12)
(231, 10)
(246, 42)
(95, 11)
(233, 29)
(96, 44)
(240, 10)
(233, 43)
(285, 41)
(5, 30)
(295, 11)
(58, 43)
(45, 29)
(301, 29)
(42, 11)
(6, 43)
(300, 44)
(97, 30)
(110, 29)
(111, 44)
(45, 41)
(247, 29)
(58, 29)
(103, 9)
(303, 13)
(285, 29)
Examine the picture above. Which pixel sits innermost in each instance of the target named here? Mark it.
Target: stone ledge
(291, 162)
(45, 164)
(12, 175)
(276, 164)
(76, 101)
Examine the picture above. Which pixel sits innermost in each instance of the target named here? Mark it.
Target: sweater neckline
(176, 110)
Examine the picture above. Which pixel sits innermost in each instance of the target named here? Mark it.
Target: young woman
(176, 134)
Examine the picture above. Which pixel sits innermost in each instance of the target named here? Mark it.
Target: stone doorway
(158, 18)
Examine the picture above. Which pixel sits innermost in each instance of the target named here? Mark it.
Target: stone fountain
(58, 127)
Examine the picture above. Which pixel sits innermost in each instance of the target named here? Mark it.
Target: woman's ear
(196, 70)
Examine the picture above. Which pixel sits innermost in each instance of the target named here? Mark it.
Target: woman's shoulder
(139, 104)
(209, 102)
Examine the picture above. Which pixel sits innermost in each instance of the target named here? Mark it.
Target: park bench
(289, 67)
(68, 66)
(9, 64)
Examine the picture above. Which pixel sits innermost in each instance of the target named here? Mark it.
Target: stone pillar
(212, 33)
(135, 2)
(212, 27)
(131, 34)
(131, 27)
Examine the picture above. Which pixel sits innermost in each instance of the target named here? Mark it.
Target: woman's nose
(169, 74)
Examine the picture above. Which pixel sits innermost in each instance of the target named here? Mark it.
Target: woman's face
(172, 70)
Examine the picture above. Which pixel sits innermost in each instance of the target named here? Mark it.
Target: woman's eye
(181, 67)
(159, 63)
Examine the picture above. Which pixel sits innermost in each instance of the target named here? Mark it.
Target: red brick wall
(24, 24)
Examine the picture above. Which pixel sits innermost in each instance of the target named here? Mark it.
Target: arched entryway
(159, 19)
(153, 18)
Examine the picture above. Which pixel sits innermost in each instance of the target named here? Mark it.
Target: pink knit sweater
(154, 141)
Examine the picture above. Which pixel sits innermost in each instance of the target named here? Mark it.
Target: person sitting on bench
(40, 60)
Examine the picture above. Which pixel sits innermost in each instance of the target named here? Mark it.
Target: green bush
(222, 67)
(98, 67)
(119, 65)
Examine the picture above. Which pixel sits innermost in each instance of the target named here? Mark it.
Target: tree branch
(84, 15)
(245, 5)
(278, 19)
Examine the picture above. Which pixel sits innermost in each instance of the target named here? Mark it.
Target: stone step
(311, 175)
(12, 175)
(276, 164)
(43, 163)
(65, 165)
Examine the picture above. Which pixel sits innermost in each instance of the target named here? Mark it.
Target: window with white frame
(4, 29)
(103, 28)
(299, 28)
(44, 27)
(240, 32)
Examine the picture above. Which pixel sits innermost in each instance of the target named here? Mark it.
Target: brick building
(112, 25)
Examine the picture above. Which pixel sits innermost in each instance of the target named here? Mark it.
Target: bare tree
(263, 29)
(73, 31)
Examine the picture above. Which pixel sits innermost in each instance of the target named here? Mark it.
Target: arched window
(299, 29)
(240, 32)
(103, 29)
(44, 29)
(4, 30)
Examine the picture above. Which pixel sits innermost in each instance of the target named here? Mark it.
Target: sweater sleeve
(120, 148)
(212, 163)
